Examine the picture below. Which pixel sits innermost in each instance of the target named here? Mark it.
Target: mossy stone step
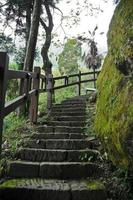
(68, 109)
(42, 155)
(58, 129)
(66, 123)
(76, 101)
(40, 189)
(73, 105)
(54, 170)
(68, 118)
(58, 136)
(55, 113)
(67, 144)
(72, 102)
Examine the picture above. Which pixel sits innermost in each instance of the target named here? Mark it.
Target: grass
(14, 126)
(12, 133)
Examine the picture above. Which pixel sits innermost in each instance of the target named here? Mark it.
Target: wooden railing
(34, 84)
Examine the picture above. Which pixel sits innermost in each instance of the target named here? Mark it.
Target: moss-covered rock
(114, 115)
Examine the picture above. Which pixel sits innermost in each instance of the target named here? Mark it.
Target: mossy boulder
(114, 113)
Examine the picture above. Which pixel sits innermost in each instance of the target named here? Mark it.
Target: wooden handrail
(33, 83)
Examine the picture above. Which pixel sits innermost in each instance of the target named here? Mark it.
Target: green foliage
(19, 57)
(42, 102)
(12, 133)
(68, 59)
(90, 116)
(63, 94)
(114, 116)
(12, 90)
(13, 65)
(6, 43)
(12, 85)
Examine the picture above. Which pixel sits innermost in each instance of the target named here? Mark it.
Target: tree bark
(31, 45)
(28, 22)
(47, 65)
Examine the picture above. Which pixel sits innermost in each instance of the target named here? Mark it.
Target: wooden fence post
(66, 80)
(49, 91)
(79, 84)
(33, 111)
(4, 61)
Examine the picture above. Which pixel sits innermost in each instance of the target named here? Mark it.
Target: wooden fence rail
(34, 84)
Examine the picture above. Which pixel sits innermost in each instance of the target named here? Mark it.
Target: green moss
(95, 185)
(114, 115)
(21, 182)
(10, 183)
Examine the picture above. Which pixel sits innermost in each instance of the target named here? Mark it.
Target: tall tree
(31, 45)
(20, 12)
(68, 59)
(47, 65)
(47, 24)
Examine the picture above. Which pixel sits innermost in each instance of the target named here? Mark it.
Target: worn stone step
(67, 113)
(54, 170)
(71, 103)
(40, 189)
(65, 123)
(69, 106)
(74, 101)
(58, 129)
(58, 136)
(42, 155)
(69, 118)
(68, 144)
(69, 109)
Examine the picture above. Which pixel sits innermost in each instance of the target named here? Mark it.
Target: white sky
(87, 21)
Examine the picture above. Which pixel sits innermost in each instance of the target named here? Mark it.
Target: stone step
(54, 170)
(65, 123)
(69, 106)
(67, 144)
(69, 118)
(74, 101)
(43, 155)
(58, 136)
(67, 113)
(40, 189)
(69, 109)
(58, 129)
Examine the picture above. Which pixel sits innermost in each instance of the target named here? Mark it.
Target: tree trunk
(47, 65)
(30, 49)
(28, 22)
(31, 45)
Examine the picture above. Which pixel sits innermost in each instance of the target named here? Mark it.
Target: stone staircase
(54, 163)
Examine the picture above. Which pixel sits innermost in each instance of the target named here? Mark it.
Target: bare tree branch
(50, 18)
(1, 6)
(43, 24)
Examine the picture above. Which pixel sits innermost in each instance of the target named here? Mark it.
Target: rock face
(114, 115)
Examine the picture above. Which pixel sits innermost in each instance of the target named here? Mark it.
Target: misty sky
(88, 19)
